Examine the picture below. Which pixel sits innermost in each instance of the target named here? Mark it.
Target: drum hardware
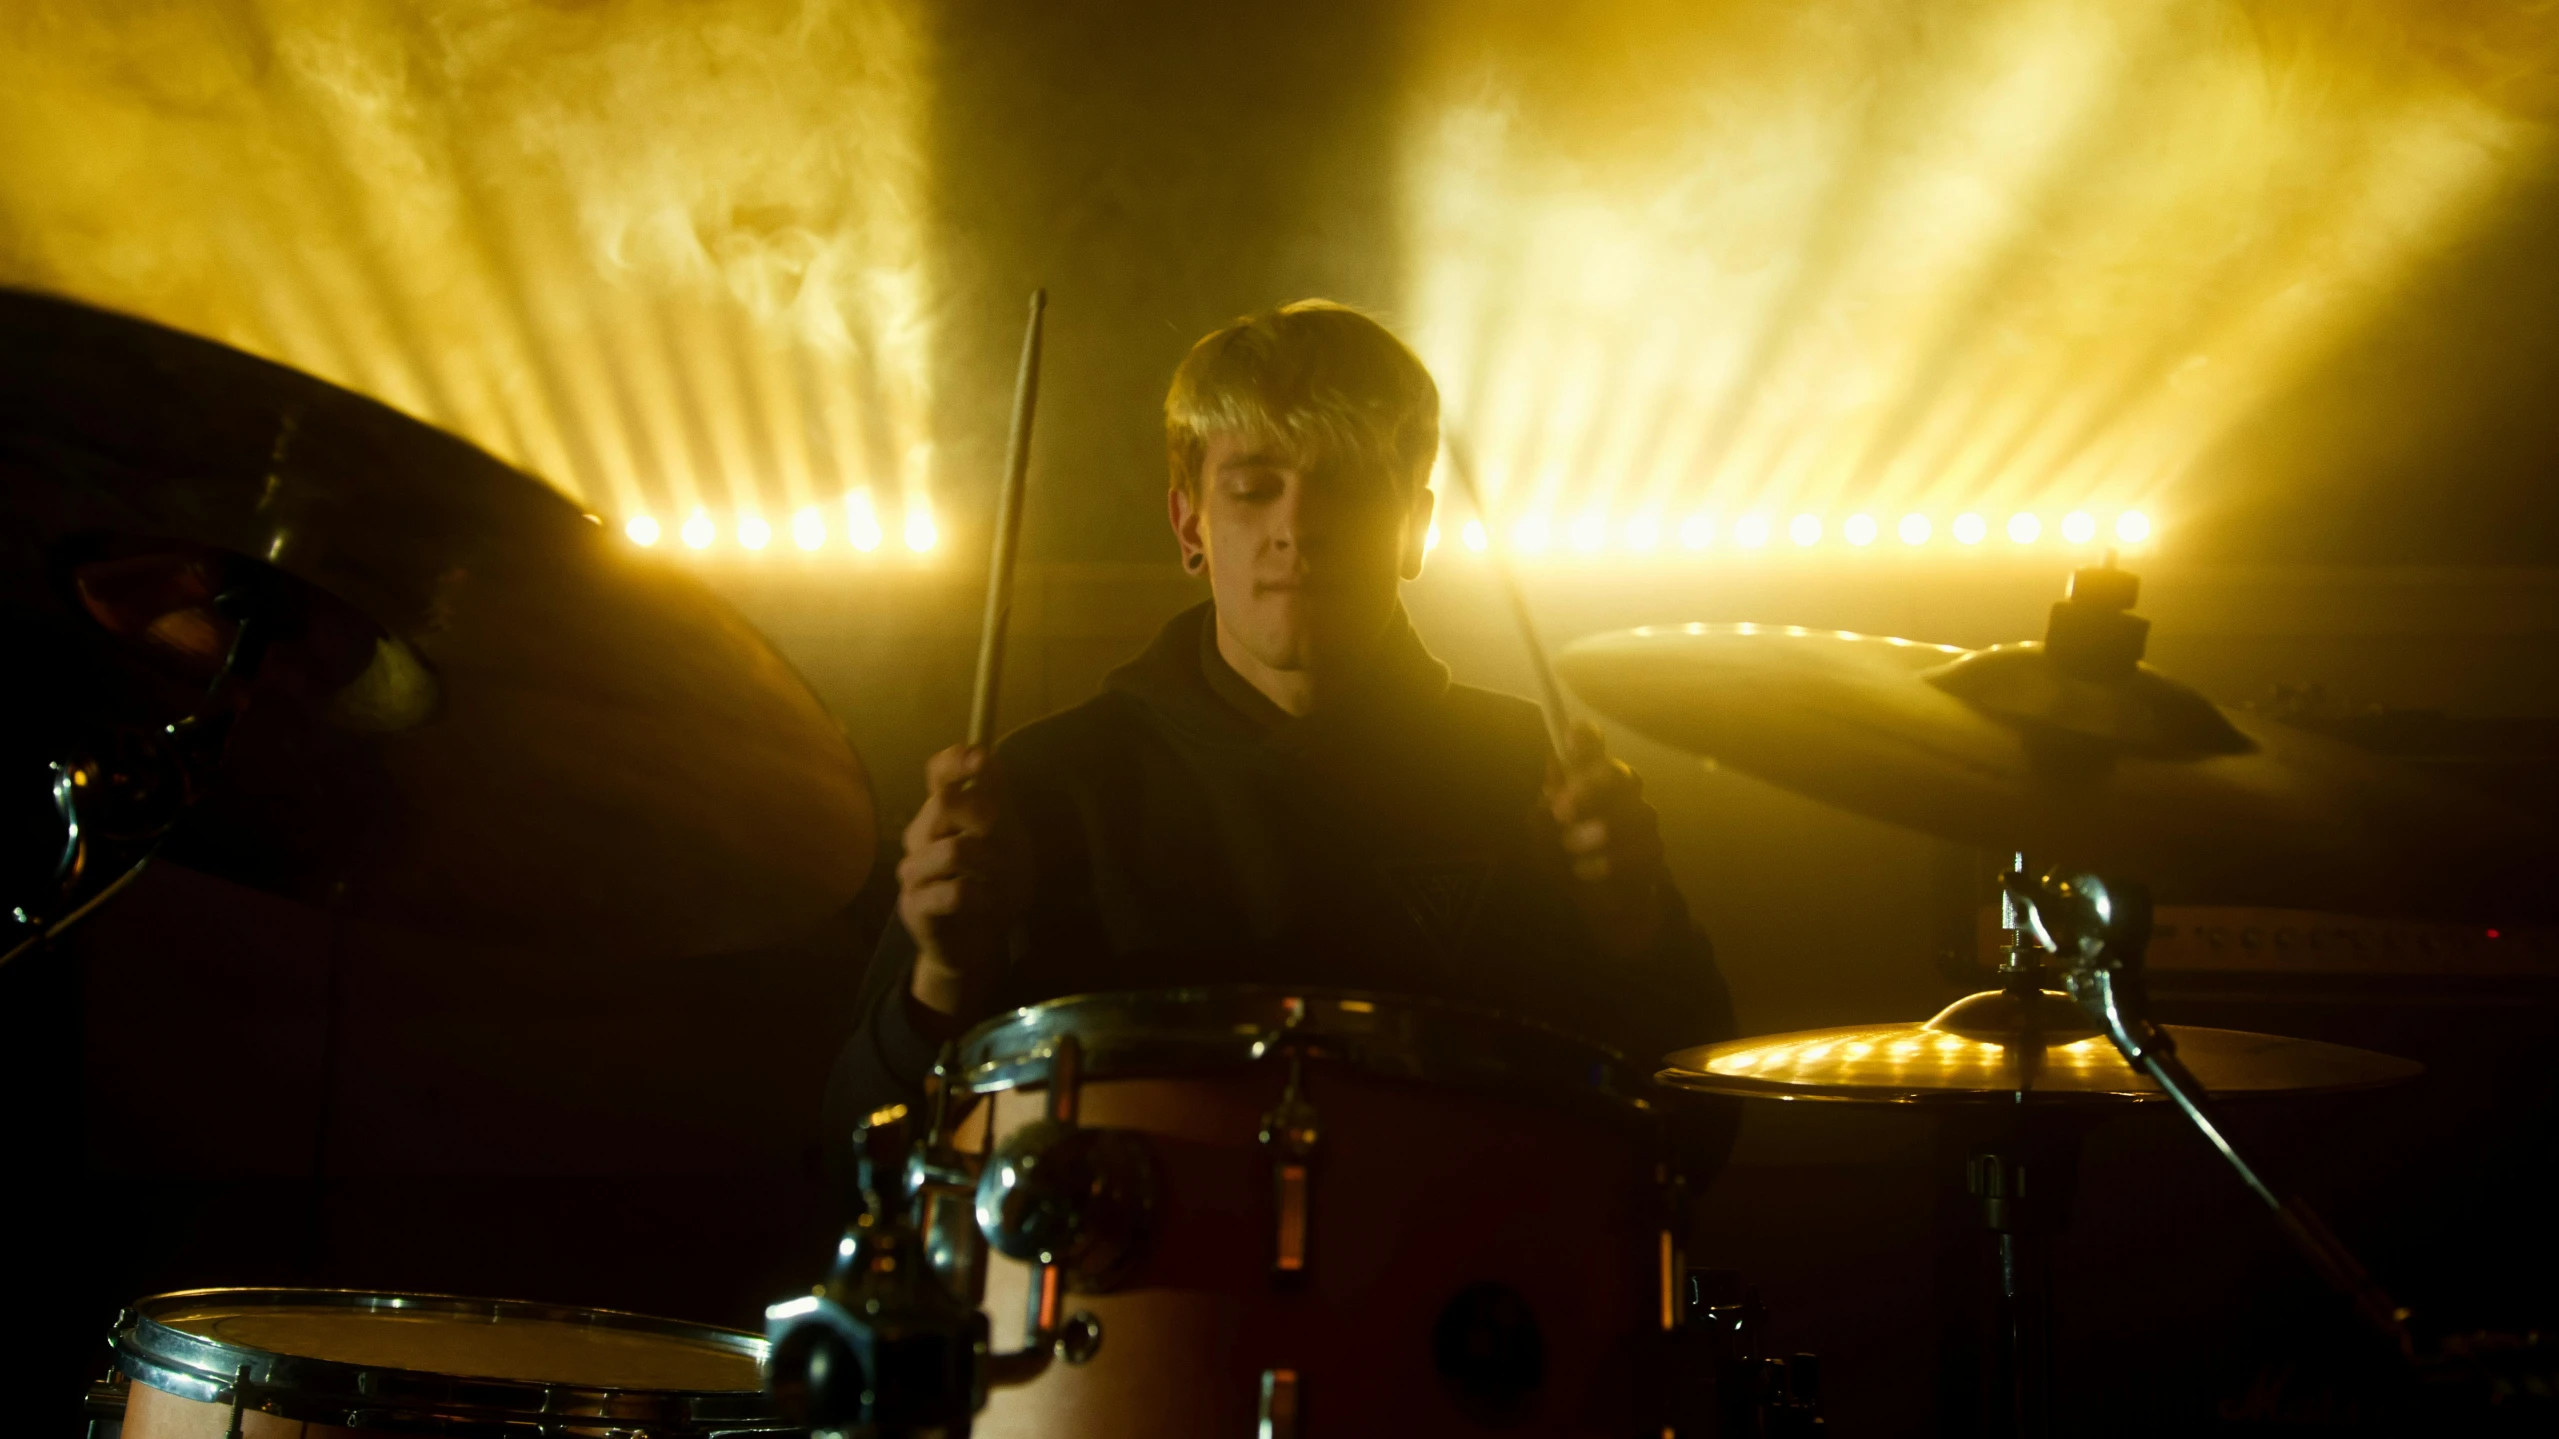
(1079, 1203)
(1277, 1413)
(883, 1347)
(2026, 1066)
(1291, 1133)
(2098, 932)
(1722, 1378)
(112, 800)
(894, 1343)
(944, 1183)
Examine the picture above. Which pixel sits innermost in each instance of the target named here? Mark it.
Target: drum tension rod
(1292, 1132)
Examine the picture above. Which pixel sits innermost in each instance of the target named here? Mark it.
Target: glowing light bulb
(1969, 528)
(2132, 527)
(754, 533)
(1531, 535)
(699, 531)
(642, 530)
(1590, 531)
(861, 522)
(2079, 527)
(1750, 531)
(1860, 530)
(920, 530)
(808, 529)
(2024, 528)
(1805, 529)
(1430, 538)
(1697, 531)
(1474, 537)
(1913, 529)
(1643, 533)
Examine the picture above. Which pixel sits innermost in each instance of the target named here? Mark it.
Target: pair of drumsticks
(1008, 535)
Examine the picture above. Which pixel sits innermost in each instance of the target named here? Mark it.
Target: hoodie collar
(1184, 680)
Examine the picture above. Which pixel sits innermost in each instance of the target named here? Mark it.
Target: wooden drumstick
(1008, 530)
(1558, 718)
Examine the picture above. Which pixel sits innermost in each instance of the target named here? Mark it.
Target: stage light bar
(1589, 534)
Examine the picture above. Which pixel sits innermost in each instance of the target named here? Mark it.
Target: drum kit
(293, 635)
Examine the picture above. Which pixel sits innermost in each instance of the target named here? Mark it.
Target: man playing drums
(1285, 788)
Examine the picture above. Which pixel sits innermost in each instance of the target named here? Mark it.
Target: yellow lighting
(1643, 533)
(699, 531)
(808, 528)
(1430, 538)
(1531, 535)
(861, 522)
(1474, 536)
(2132, 527)
(1913, 529)
(1750, 531)
(660, 261)
(1860, 530)
(2079, 527)
(642, 530)
(1969, 528)
(1697, 531)
(1785, 259)
(920, 530)
(1590, 531)
(754, 533)
(2024, 528)
(1804, 529)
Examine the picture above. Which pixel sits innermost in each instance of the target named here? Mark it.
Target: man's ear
(1417, 528)
(1183, 510)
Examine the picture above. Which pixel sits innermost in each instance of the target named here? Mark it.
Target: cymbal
(2010, 750)
(485, 716)
(1945, 1060)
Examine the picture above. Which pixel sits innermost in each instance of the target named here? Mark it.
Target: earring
(1193, 560)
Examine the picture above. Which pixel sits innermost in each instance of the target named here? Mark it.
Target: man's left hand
(1613, 839)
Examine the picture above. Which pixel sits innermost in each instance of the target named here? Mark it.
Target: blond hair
(1311, 376)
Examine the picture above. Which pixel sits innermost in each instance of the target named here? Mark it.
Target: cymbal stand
(2098, 932)
(2020, 1168)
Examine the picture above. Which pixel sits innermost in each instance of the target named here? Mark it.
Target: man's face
(1304, 550)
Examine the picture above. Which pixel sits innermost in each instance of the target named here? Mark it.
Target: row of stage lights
(1591, 533)
(1588, 533)
(808, 530)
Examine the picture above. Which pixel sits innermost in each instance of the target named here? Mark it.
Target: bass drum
(1341, 1213)
(307, 1363)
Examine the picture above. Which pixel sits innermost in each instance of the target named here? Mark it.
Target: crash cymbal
(2103, 765)
(476, 714)
(1967, 1055)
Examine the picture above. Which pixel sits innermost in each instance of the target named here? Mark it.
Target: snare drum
(1360, 1215)
(272, 1363)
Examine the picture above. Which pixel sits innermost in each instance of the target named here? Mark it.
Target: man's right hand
(963, 882)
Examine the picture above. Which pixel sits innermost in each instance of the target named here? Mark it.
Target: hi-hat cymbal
(1946, 1060)
(484, 716)
(2005, 749)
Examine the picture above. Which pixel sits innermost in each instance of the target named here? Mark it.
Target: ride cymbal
(2107, 766)
(476, 712)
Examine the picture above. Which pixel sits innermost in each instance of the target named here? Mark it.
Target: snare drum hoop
(1160, 1032)
(357, 1396)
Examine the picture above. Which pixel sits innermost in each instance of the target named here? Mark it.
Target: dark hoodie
(1186, 831)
